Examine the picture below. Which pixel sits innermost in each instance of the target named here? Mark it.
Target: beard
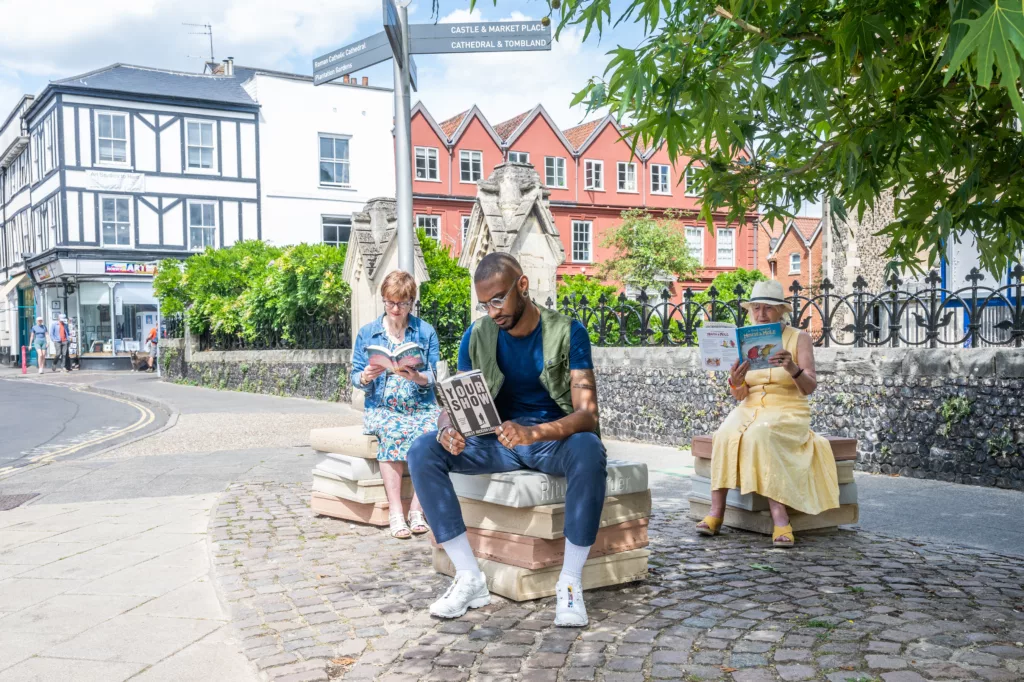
(507, 322)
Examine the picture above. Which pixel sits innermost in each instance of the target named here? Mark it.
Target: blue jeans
(580, 458)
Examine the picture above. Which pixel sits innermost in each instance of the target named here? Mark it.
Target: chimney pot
(344, 79)
(366, 80)
(229, 66)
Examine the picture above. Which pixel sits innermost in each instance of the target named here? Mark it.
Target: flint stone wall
(316, 374)
(889, 399)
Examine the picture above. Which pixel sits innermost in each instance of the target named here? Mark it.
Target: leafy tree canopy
(725, 284)
(646, 249)
(842, 99)
(576, 287)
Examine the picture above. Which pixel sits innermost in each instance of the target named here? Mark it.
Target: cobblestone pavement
(316, 598)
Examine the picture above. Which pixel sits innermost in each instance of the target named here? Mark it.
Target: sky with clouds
(52, 39)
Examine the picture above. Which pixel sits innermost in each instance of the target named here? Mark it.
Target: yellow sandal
(714, 525)
(781, 532)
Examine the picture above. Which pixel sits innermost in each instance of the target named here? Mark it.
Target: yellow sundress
(766, 445)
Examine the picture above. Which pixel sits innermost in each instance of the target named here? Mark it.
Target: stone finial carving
(512, 215)
(372, 254)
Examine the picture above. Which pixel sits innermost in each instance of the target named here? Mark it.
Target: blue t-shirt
(522, 361)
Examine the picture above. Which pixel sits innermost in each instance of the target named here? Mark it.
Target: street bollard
(24, 359)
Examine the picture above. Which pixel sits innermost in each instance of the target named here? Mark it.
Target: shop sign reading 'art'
(129, 268)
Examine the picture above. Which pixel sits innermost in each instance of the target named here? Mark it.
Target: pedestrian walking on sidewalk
(59, 336)
(400, 405)
(151, 345)
(39, 343)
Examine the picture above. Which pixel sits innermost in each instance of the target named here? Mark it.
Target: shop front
(109, 303)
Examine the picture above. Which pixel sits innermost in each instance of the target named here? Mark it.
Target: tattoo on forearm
(585, 386)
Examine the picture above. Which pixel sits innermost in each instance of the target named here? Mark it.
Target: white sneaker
(467, 591)
(570, 611)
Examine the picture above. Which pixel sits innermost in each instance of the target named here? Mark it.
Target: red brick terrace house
(590, 172)
(792, 250)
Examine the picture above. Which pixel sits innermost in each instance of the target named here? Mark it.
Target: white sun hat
(770, 292)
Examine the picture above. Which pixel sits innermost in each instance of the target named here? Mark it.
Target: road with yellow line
(43, 422)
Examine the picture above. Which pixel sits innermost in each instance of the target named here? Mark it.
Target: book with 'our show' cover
(468, 402)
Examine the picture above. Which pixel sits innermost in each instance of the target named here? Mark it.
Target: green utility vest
(555, 377)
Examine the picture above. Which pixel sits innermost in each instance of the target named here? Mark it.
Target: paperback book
(468, 402)
(721, 345)
(405, 355)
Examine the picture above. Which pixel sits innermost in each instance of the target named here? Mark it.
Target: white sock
(575, 557)
(461, 554)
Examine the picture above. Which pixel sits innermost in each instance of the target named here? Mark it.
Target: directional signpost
(399, 41)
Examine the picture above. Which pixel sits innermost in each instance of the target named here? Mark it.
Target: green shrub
(250, 288)
(725, 284)
(448, 290)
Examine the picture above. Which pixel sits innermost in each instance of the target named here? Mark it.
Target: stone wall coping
(996, 363)
(331, 357)
(172, 343)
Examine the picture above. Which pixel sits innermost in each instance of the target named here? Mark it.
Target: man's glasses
(497, 302)
(402, 305)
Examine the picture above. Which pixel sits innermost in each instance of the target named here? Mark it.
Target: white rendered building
(104, 174)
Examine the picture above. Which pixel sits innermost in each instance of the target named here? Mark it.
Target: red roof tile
(506, 128)
(772, 228)
(452, 124)
(578, 135)
(807, 226)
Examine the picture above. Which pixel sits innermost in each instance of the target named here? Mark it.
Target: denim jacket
(372, 334)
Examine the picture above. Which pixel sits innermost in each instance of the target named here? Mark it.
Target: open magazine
(722, 344)
(468, 402)
(406, 355)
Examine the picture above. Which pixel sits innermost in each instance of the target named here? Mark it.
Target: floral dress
(401, 419)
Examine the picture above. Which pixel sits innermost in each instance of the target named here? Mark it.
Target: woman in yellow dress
(766, 445)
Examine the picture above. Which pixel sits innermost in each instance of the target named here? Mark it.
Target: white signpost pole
(403, 149)
(406, 40)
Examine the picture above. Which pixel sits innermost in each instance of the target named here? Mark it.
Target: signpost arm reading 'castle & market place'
(399, 41)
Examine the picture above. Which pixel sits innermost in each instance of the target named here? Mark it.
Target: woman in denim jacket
(400, 406)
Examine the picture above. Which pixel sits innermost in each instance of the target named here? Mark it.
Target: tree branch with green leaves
(779, 104)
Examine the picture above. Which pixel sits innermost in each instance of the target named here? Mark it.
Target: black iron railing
(174, 326)
(904, 314)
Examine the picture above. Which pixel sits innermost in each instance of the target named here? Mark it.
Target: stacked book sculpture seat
(347, 484)
(750, 511)
(516, 526)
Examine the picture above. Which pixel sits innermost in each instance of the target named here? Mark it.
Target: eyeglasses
(497, 302)
(404, 305)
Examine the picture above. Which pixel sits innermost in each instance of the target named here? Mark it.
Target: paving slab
(215, 657)
(17, 646)
(196, 599)
(134, 638)
(69, 614)
(44, 669)
(131, 594)
(18, 592)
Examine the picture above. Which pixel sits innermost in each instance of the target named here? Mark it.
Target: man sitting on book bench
(538, 366)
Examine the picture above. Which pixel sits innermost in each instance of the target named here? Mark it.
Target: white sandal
(417, 523)
(399, 530)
